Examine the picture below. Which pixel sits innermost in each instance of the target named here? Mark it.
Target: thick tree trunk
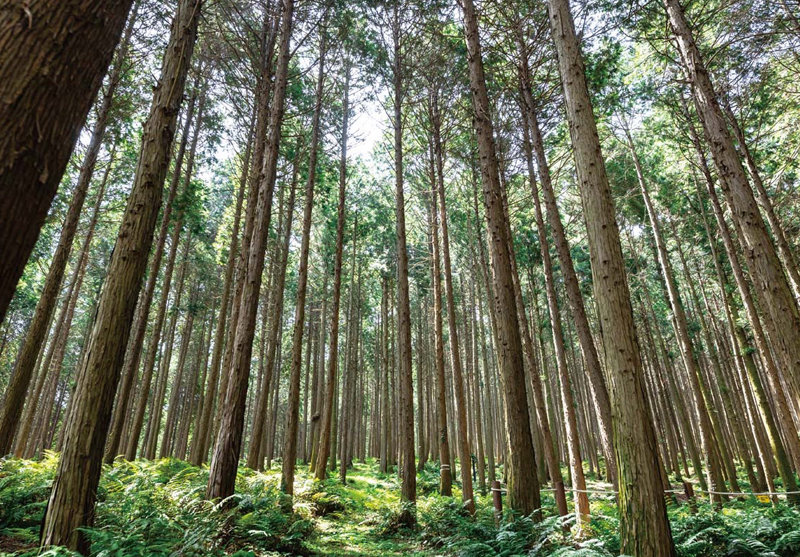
(222, 475)
(644, 526)
(53, 56)
(42, 316)
(523, 483)
(597, 382)
(141, 317)
(74, 490)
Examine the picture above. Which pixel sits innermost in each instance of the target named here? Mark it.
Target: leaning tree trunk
(222, 475)
(597, 382)
(643, 515)
(699, 390)
(74, 490)
(772, 288)
(42, 316)
(201, 436)
(523, 482)
(573, 445)
(141, 317)
(255, 458)
(53, 56)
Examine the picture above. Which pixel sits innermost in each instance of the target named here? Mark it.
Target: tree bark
(54, 56)
(34, 339)
(644, 525)
(328, 406)
(141, 319)
(523, 482)
(458, 376)
(222, 477)
(445, 475)
(74, 490)
(771, 285)
(699, 390)
(405, 424)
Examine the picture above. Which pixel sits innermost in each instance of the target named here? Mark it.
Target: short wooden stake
(497, 499)
(688, 489)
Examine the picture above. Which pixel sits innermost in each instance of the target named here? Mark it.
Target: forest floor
(156, 508)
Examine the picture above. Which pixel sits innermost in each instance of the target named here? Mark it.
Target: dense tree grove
(536, 259)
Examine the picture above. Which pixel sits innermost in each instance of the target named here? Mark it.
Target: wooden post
(690, 498)
(497, 500)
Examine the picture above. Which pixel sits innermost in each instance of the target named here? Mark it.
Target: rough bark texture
(597, 382)
(644, 526)
(405, 424)
(573, 445)
(772, 288)
(26, 360)
(222, 475)
(523, 482)
(53, 56)
(74, 490)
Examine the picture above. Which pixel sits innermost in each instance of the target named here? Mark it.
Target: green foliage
(156, 508)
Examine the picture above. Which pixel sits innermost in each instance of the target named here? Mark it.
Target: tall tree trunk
(290, 448)
(773, 432)
(452, 327)
(771, 285)
(74, 490)
(54, 359)
(222, 475)
(699, 390)
(328, 403)
(643, 516)
(141, 317)
(523, 482)
(43, 314)
(445, 475)
(202, 435)
(573, 446)
(405, 424)
(255, 457)
(597, 382)
(54, 55)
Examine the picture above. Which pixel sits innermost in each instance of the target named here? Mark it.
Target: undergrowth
(157, 508)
